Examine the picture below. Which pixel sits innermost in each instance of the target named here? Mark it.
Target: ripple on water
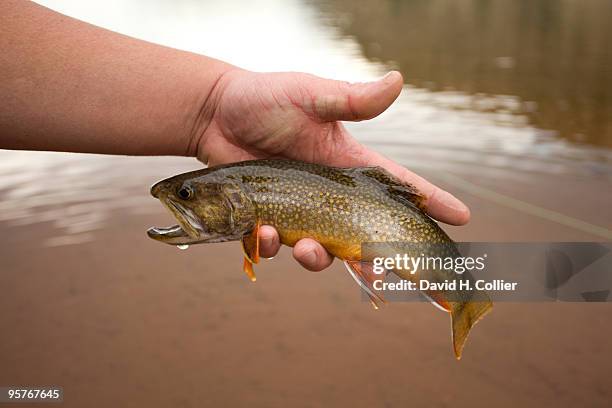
(77, 193)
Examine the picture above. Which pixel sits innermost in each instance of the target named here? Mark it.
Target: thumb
(336, 100)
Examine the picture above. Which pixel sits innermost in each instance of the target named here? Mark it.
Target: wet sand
(125, 321)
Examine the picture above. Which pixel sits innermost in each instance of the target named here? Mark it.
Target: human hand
(296, 116)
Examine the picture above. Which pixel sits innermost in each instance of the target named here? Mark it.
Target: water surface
(515, 91)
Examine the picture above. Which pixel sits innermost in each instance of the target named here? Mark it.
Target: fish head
(206, 210)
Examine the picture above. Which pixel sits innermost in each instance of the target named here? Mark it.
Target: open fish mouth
(174, 235)
(189, 230)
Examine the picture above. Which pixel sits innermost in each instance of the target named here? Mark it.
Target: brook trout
(341, 208)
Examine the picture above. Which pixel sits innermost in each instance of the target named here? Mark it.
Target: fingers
(269, 242)
(337, 100)
(439, 204)
(334, 100)
(308, 252)
(311, 255)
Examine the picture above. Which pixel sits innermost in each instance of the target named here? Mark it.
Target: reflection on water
(424, 129)
(260, 35)
(554, 57)
(493, 85)
(77, 193)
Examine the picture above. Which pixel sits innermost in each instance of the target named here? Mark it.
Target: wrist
(203, 106)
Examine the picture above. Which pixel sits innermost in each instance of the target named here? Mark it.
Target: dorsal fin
(396, 187)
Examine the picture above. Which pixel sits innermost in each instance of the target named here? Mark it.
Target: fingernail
(265, 243)
(453, 203)
(450, 201)
(388, 75)
(310, 258)
(266, 240)
(380, 79)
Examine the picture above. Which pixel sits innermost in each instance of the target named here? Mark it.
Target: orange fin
(248, 269)
(250, 247)
(364, 275)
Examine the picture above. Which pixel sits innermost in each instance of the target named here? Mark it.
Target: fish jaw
(174, 235)
(190, 230)
(189, 223)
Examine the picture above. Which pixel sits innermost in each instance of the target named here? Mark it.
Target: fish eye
(185, 192)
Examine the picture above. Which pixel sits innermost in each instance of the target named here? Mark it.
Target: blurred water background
(507, 104)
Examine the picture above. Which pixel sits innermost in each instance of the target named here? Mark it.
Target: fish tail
(464, 315)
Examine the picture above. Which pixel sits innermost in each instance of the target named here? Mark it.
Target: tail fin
(463, 317)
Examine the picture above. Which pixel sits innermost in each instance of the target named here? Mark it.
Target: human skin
(66, 85)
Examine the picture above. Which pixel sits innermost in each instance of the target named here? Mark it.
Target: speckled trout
(342, 208)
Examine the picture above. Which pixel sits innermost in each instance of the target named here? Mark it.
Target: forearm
(70, 86)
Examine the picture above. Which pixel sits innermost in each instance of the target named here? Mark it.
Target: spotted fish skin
(341, 208)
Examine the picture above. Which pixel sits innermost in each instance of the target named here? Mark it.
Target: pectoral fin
(250, 247)
(364, 275)
(248, 269)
